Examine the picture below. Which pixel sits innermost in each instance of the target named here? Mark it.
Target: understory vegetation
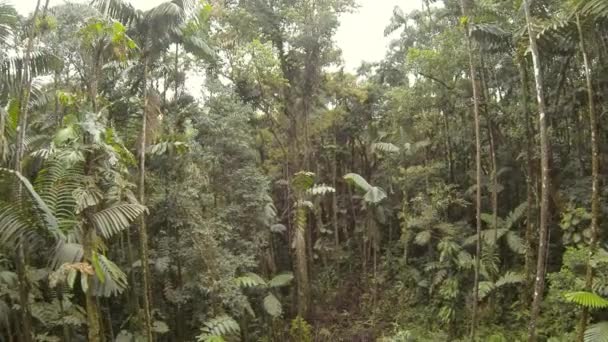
(209, 171)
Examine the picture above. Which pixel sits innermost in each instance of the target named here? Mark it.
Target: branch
(436, 80)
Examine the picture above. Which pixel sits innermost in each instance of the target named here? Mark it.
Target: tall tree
(466, 6)
(543, 249)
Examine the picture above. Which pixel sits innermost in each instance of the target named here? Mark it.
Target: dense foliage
(452, 191)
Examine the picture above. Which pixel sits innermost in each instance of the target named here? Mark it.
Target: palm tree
(153, 30)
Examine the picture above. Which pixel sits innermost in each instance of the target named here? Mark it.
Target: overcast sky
(360, 36)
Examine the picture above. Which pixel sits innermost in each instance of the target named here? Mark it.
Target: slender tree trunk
(334, 195)
(25, 91)
(143, 235)
(539, 284)
(595, 177)
(530, 198)
(175, 96)
(89, 237)
(473, 70)
(302, 262)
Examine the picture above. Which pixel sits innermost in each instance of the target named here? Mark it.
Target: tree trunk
(302, 262)
(595, 177)
(25, 91)
(530, 198)
(473, 70)
(175, 96)
(539, 284)
(143, 235)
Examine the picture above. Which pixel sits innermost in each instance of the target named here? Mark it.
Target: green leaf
(422, 238)
(357, 180)
(281, 280)
(272, 305)
(160, 327)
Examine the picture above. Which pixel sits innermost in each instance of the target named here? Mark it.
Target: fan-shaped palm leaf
(115, 219)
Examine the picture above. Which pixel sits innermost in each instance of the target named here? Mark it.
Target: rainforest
(212, 171)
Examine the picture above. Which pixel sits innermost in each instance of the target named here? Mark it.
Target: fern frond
(218, 327)
(510, 278)
(250, 280)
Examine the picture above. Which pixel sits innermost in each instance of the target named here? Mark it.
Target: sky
(360, 36)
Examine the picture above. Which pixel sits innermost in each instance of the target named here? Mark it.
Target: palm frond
(111, 280)
(587, 299)
(46, 213)
(117, 9)
(115, 219)
(594, 8)
(597, 332)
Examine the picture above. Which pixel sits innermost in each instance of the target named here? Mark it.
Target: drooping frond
(587, 299)
(13, 226)
(117, 9)
(44, 211)
(42, 62)
(490, 36)
(111, 280)
(594, 8)
(115, 219)
(8, 19)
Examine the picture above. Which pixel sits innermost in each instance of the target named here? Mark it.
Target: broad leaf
(272, 305)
